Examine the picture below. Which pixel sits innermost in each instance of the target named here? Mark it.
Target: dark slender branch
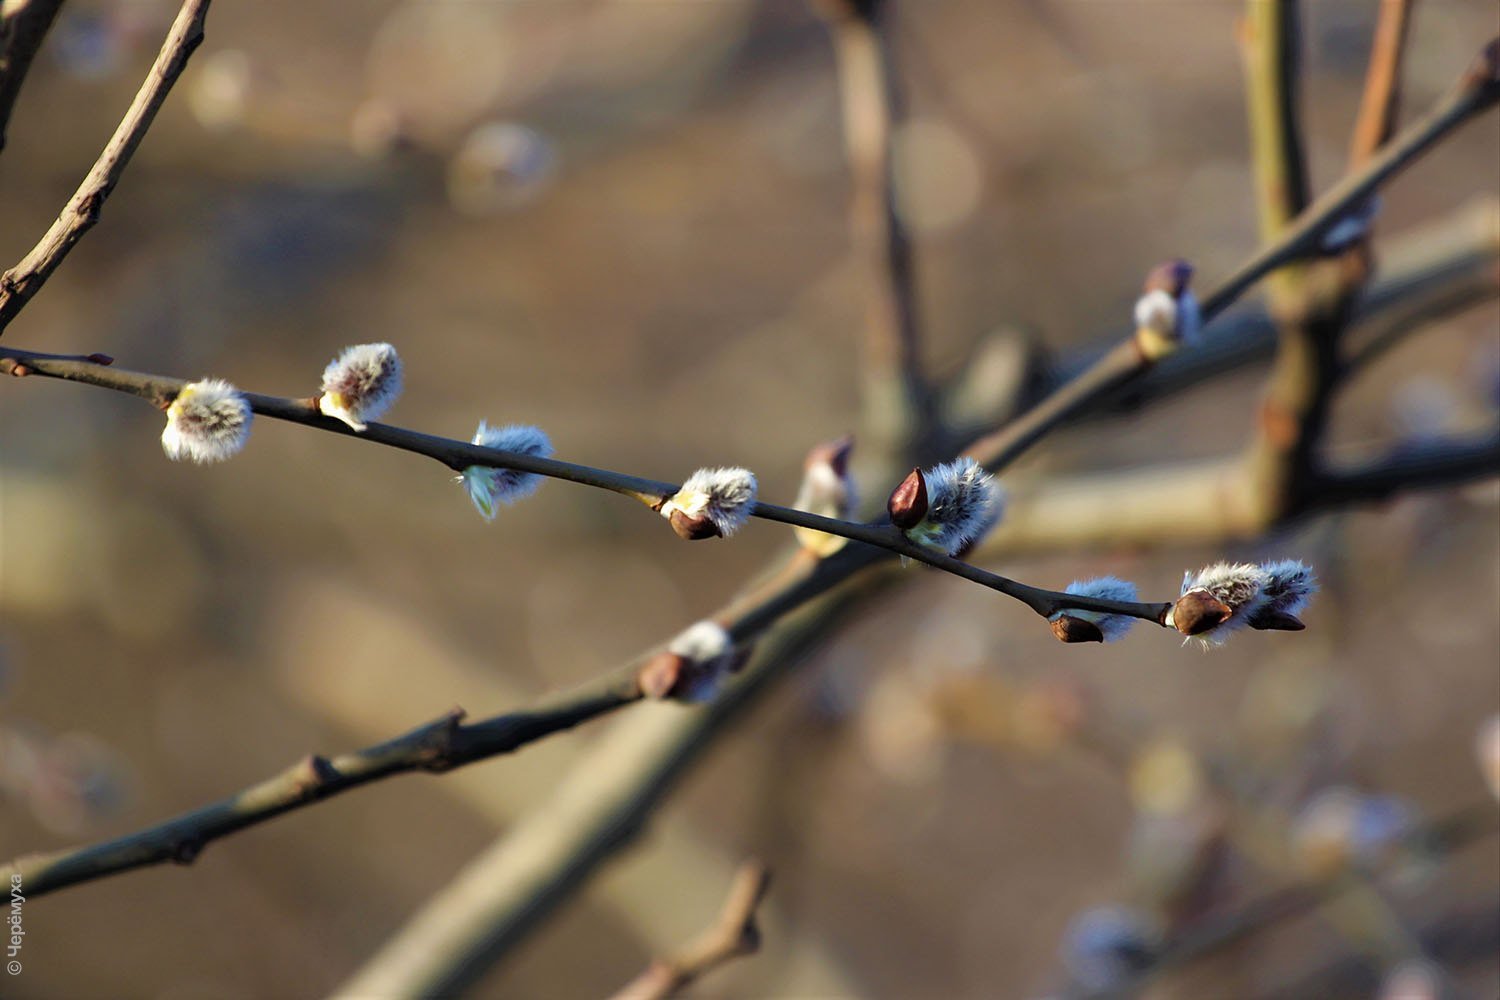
(458, 455)
(1418, 466)
(1413, 317)
(441, 745)
(1477, 91)
(23, 27)
(732, 936)
(78, 216)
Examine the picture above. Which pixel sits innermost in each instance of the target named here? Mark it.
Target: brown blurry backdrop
(625, 222)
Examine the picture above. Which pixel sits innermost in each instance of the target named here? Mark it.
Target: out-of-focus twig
(1438, 838)
(1476, 91)
(897, 399)
(1381, 100)
(78, 216)
(23, 27)
(437, 746)
(734, 935)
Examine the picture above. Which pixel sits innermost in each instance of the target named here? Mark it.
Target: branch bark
(20, 283)
(734, 935)
(441, 745)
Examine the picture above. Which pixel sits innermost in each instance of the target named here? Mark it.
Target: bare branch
(1476, 91)
(732, 936)
(1440, 837)
(1270, 38)
(1381, 100)
(23, 27)
(897, 398)
(440, 745)
(78, 216)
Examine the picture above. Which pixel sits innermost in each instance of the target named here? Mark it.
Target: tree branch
(732, 936)
(897, 399)
(458, 455)
(23, 27)
(78, 216)
(1381, 100)
(441, 745)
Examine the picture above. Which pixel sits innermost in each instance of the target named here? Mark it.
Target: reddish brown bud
(20, 370)
(1198, 612)
(693, 528)
(1269, 619)
(1483, 75)
(100, 359)
(835, 453)
(1069, 629)
(1171, 277)
(908, 503)
(661, 675)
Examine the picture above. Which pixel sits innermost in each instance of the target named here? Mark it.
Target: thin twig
(1439, 837)
(441, 745)
(23, 27)
(78, 216)
(897, 397)
(734, 935)
(1381, 100)
(458, 455)
(1476, 91)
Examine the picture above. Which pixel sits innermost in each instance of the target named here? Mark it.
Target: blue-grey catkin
(1106, 588)
(489, 486)
(963, 503)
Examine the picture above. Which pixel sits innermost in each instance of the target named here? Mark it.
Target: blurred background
(625, 221)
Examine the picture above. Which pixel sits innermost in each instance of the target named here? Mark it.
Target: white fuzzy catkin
(724, 496)
(1106, 588)
(488, 486)
(208, 422)
(1241, 586)
(827, 493)
(1172, 318)
(963, 503)
(361, 384)
(710, 653)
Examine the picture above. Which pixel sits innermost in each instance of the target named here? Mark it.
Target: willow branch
(441, 745)
(600, 809)
(1476, 91)
(897, 399)
(1381, 101)
(1270, 37)
(79, 215)
(734, 935)
(459, 455)
(23, 27)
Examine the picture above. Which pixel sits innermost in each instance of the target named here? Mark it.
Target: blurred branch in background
(437, 746)
(491, 904)
(23, 27)
(79, 215)
(897, 399)
(734, 935)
